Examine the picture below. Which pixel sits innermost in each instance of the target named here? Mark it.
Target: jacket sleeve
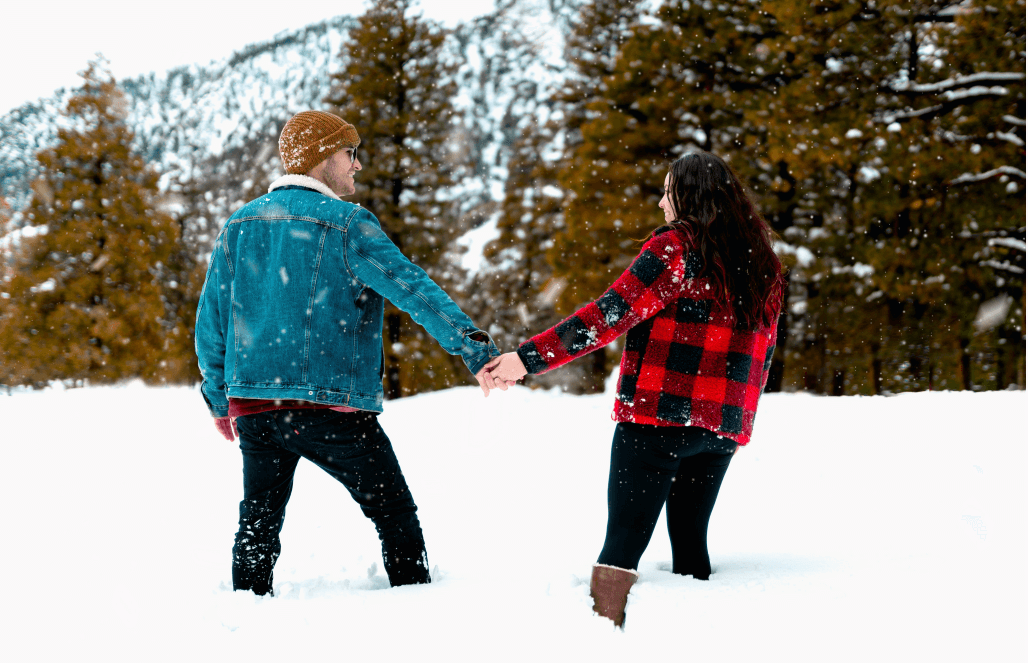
(378, 264)
(656, 277)
(212, 315)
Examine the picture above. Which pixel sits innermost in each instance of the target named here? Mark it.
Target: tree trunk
(965, 365)
(876, 369)
(839, 383)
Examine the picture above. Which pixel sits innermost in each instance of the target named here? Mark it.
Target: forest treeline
(884, 141)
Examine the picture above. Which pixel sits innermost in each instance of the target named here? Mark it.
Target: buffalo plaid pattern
(684, 363)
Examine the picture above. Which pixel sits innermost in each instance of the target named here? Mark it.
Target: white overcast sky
(46, 44)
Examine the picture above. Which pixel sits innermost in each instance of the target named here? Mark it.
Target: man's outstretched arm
(377, 263)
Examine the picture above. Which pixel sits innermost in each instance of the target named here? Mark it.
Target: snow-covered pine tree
(90, 295)
(595, 243)
(515, 291)
(884, 111)
(826, 63)
(397, 88)
(649, 87)
(972, 108)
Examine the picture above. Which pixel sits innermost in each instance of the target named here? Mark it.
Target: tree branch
(980, 79)
(981, 177)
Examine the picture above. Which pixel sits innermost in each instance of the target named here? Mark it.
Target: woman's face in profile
(665, 202)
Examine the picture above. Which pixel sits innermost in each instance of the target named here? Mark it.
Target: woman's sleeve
(655, 278)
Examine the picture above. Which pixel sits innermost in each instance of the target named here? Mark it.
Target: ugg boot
(609, 589)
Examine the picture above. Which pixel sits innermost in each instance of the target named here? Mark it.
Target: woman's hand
(507, 367)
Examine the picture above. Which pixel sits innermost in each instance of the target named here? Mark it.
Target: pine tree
(397, 88)
(864, 131)
(88, 294)
(515, 292)
(593, 242)
(888, 292)
(646, 91)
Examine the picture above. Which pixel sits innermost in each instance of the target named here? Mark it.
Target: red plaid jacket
(684, 363)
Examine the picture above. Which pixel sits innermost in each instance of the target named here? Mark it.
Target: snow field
(849, 528)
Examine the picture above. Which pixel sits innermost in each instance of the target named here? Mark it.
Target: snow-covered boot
(609, 588)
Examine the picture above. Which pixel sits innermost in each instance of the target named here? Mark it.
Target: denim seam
(235, 333)
(294, 385)
(406, 286)
(310, 307)
(291, 217)
(228, 254)
(360, 310)
(353, 348)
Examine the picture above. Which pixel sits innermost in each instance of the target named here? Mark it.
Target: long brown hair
(720, 222)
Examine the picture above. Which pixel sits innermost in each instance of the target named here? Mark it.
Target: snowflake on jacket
(684, 363)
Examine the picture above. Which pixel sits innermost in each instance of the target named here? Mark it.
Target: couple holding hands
(289, 341)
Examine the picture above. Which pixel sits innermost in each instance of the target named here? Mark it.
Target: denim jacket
(293, 301)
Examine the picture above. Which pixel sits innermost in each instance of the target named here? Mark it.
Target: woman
(700, 305)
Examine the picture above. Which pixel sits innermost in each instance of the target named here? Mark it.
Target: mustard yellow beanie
(311, 137)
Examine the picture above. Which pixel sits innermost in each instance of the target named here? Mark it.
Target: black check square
(628, 386)
(637, 337)
(731, 418)
(573, 335)
(647, 268)
(674, 408)
(738, 367)
(693, 265)
(613, 306)
(692, 310)
(530, 357)
(684, 358)
(767, 357)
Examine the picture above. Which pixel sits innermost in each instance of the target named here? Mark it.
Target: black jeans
(682, 466)
(351, 447)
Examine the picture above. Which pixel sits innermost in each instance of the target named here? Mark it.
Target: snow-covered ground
(857, 529)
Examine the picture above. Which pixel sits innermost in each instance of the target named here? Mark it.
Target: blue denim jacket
(293, 301)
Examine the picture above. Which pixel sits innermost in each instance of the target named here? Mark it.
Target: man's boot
(609, 589)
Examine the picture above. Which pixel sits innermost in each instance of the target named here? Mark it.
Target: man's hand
(488, 382)
(227, 427)
(507, 368)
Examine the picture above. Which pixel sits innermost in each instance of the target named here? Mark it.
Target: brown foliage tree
(397, 88)
(91, 294)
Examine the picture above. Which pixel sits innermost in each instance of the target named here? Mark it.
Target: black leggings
(682, 466)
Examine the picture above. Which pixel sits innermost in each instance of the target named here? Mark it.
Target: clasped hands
(501, 372)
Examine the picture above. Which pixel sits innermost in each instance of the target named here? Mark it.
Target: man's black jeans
(351, 447)
(682, 466)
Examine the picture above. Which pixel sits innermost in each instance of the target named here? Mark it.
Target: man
(289, 340)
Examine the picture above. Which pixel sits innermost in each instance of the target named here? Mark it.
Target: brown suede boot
(609, 589)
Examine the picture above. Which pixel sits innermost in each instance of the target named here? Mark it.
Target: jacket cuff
(217, 410)
(531, 358)
(476, 353)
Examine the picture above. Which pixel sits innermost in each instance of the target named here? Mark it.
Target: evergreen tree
(92, 289)
(593, 243)
(515, 292)
(397, 88)
(645, 91)
(869, 132)
(874, 123)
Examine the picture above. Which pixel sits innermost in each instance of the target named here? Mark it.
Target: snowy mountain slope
(190, 122)
(212, 130)
(851, 529)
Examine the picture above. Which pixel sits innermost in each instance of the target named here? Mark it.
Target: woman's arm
(656, 277)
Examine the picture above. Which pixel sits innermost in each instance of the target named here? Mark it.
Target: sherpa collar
(304, 181)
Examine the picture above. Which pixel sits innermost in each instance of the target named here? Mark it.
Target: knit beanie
(311, 137)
